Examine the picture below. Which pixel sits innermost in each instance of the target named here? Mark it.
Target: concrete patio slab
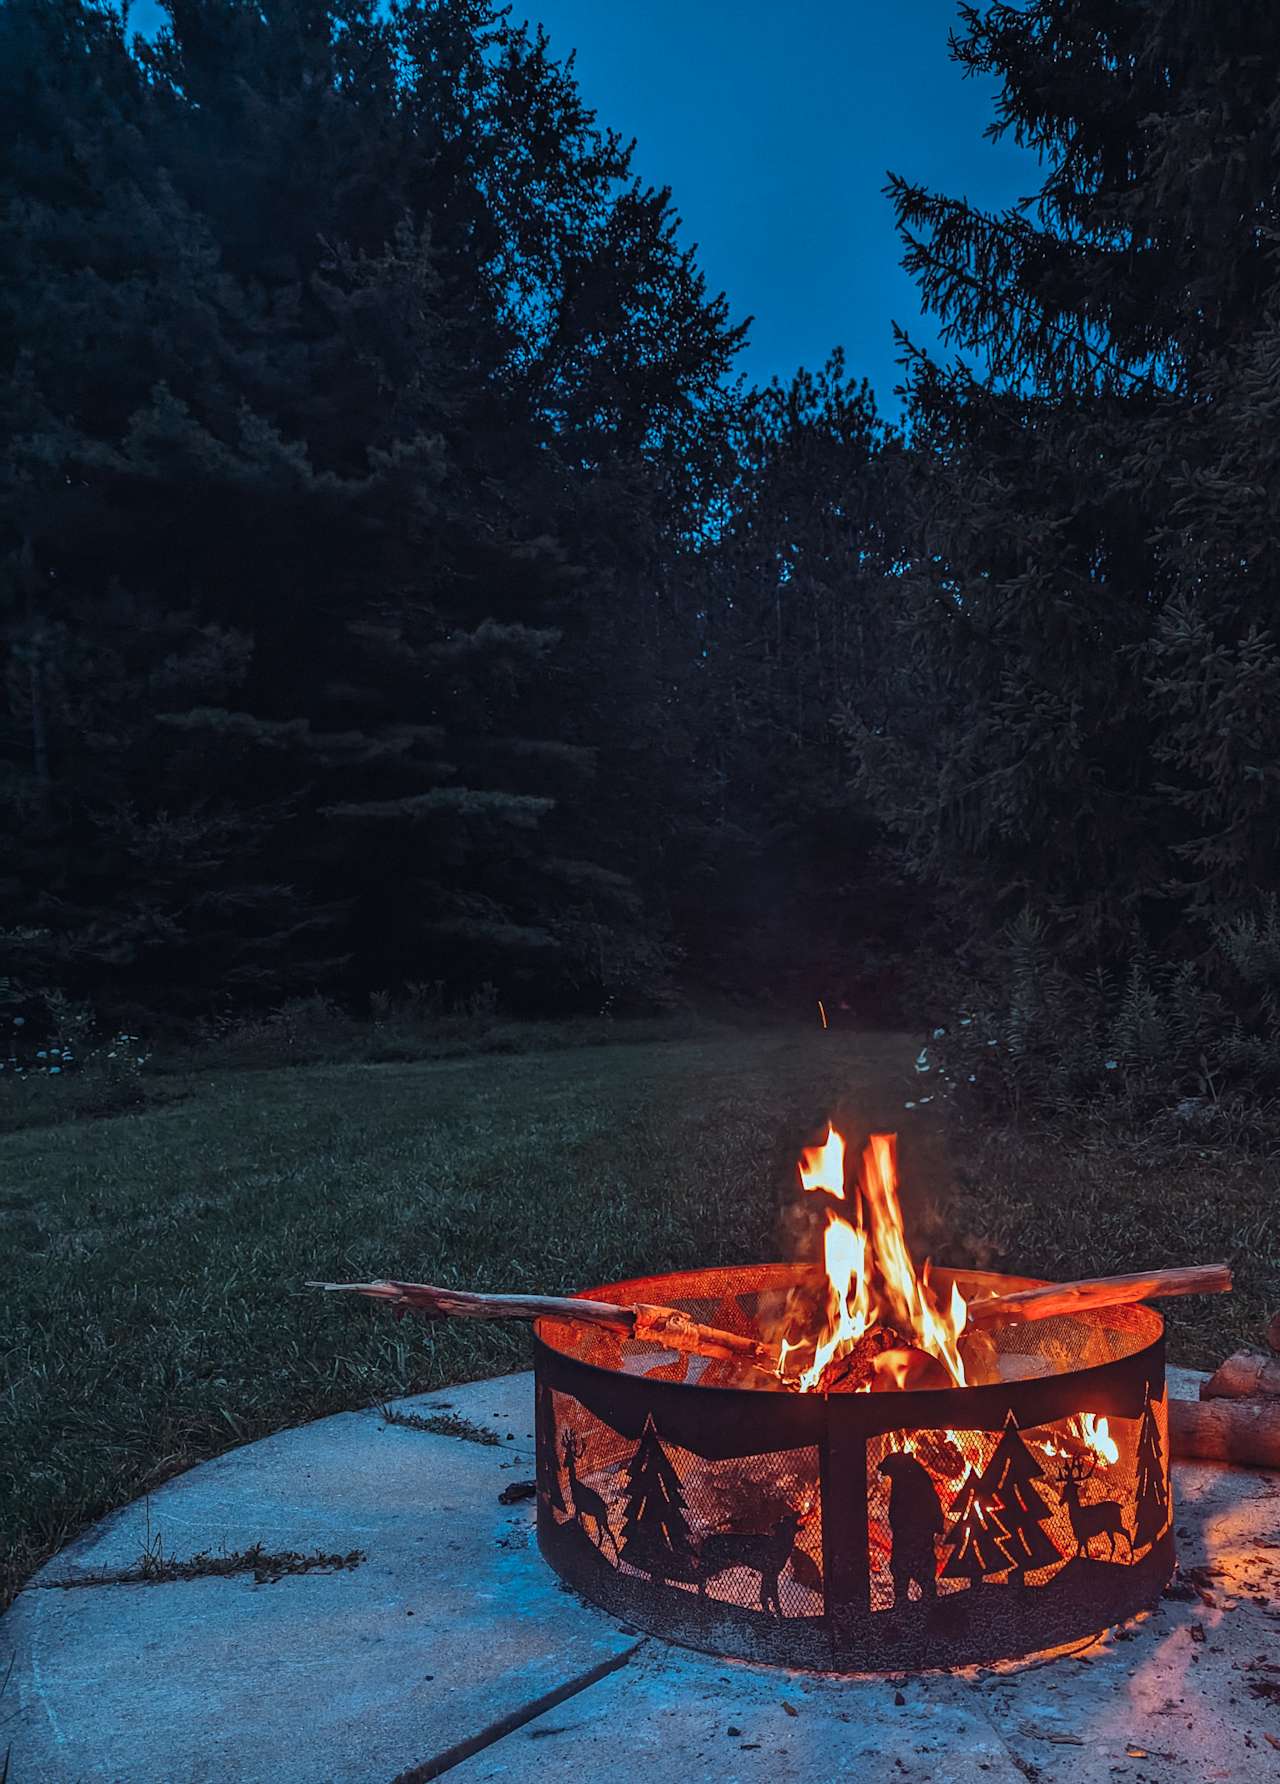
(451, 1650)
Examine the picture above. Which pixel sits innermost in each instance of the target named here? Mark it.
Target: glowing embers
(958, 1514)
(743, 1531)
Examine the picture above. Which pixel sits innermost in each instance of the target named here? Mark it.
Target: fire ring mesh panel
(855, 1532)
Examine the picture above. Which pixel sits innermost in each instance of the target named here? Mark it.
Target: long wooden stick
(663, 1326)
(673, 1330)
(1101, 1291)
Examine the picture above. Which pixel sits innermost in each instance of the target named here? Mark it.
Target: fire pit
(875, 1510)
(858, 1531)
(863, 1468)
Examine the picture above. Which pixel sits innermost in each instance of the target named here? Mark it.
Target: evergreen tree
(1087, 724)
(1007, 1487)
(305, 569)
(975, 1538)
(787, 633)
(1151, 1484)
(655, 1529)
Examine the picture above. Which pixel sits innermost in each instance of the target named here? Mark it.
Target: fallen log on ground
(1246, 1432)
(1246, 1375)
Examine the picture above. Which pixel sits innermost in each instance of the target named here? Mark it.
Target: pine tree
(789, 633)
(975, 1538)
(1007, 1487)
(1151, 1484)
(307, 543)
(655, 1529)
(1087, 723)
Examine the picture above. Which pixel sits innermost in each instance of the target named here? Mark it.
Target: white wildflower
(938, 1033)
(19, 1022)
(54, 1070)
(922, 1060)
(908, 1105)
(1109, 1065)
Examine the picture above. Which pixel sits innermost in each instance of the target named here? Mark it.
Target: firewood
(1247, 1375)
(1101, 1291)
(669, 1329)
(907, 1367)
(979, 1355)
(1246, 1432)
(664, 1327)
(852, 1372)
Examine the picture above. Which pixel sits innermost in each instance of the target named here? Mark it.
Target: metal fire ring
(856, 1532)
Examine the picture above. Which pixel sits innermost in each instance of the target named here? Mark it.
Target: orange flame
(1097, 1434)
(822, 1167)
(870, 1274)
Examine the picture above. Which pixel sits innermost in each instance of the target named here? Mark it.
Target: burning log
(980, 1357)
(1101, 1291)
(856, 1368)
(1247, 1375)
(906, 1368)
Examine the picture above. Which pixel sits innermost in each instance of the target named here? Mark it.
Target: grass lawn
(153, 1312)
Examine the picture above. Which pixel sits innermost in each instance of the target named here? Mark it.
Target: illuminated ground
(425, 1637)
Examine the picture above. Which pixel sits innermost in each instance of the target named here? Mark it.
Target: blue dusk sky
(774, 125)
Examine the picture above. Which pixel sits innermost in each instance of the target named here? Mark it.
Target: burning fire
(871, 1278)
(1094, 1434)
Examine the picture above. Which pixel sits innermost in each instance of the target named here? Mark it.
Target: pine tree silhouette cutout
(655, 1530)
(1151, 1487)
(1007, 1488)
(974, 1537)
(545, 1439)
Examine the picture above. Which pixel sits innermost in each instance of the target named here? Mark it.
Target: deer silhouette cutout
(1102, 1518)
(588, 1506)
(765, 1552)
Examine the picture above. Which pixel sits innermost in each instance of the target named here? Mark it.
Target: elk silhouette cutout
(765, 1552)
(1102, 1518)
(588, 1506)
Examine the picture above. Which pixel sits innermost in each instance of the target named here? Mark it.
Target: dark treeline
(396, 588)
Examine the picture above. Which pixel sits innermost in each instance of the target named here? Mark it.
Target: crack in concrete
(442, 1424)
(505, 1725)
(153, 1570)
